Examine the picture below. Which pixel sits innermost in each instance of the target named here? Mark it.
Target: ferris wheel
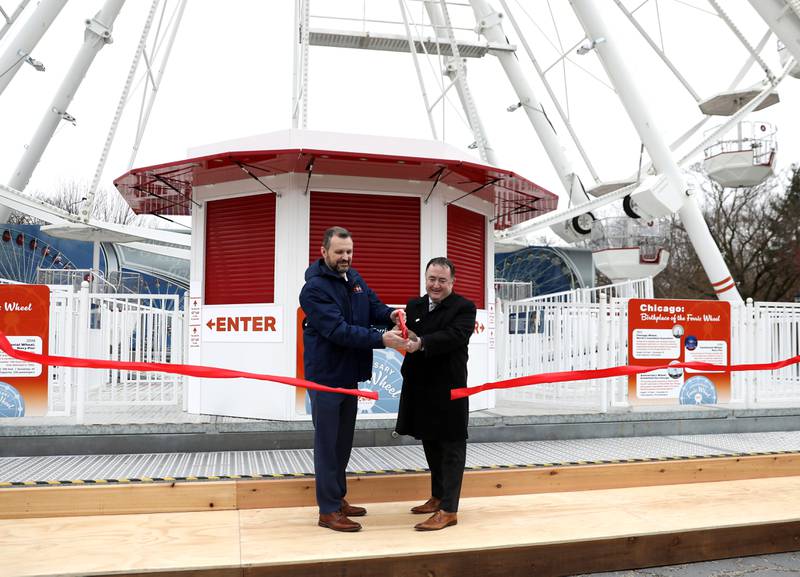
(620, 94)
(536, 271)
(711, 61)
(24, 255)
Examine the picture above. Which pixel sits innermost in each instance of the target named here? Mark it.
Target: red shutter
(385, 233)
(466, 247)
(240, 250)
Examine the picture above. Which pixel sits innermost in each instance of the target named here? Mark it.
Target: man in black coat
(440, 325)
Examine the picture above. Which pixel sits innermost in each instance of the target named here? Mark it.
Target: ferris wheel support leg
(97, 35)
(603, 40)
(489, 23)
(783, 18)
(26, 40)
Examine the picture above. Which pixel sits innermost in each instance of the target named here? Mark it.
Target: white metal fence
(544, 337)
(582, 329)
(639, 289)
(587, 329)
(140, 328)
(763, 332)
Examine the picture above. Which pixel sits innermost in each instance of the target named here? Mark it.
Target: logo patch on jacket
(357, 288)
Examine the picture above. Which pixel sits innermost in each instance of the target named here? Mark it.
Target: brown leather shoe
(430, 506)
(351, 510)
(438, 520)
(338, 522)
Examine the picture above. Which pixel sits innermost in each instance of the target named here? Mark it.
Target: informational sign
(490, 326)
(662, 331)
(194, 337)
(195, 311)
(25, 320)
(243, 324)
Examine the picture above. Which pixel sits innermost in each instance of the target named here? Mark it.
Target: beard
(339, 266)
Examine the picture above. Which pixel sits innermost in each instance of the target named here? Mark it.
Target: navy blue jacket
(339, 333)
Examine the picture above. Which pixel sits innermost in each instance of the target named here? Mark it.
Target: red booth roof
(166, 189)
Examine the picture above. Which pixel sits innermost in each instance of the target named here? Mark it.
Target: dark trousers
(334, 418)
(446, 460)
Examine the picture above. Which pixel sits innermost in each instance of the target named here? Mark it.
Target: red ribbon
(219, 373)
(402, 322)
(620, 371)
(188, 370)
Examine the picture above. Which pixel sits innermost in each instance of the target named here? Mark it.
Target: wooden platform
(542, 534)
(174, 497)
(560, 521)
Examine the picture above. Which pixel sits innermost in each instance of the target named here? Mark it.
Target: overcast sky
(230, 76)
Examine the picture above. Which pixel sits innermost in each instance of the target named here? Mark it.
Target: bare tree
(755, 228)
(109, 206)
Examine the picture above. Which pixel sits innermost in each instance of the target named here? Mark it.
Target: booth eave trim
(167, 189)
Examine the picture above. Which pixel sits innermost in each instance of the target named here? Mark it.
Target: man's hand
(413, 346)
(393, 339)
(395, 314)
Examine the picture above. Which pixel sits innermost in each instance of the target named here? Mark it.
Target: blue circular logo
(11, 403)
(698, 390)
(691, 343)
(386, 380)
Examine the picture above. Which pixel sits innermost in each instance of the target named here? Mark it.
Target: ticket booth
(259, 208)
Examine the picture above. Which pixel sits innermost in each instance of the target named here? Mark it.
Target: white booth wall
(261, 399)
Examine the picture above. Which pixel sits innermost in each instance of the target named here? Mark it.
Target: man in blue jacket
(338, 337)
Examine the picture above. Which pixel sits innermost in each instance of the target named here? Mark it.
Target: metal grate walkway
(16, 471)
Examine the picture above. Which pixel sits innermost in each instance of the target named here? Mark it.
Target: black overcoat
(426, 411)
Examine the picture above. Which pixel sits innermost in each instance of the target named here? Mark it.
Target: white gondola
(747, 160)
(626, 248)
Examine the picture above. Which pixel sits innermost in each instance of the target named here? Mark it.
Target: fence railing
(582, 329)
(640, 289)
(141, 328)
(543, 337)
(575, 333)
(763, 332)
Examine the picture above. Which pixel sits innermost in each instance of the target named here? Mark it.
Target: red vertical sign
(25, 319)
(663, 331)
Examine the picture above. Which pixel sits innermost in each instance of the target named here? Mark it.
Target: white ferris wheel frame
(781, 16)
(668, 188)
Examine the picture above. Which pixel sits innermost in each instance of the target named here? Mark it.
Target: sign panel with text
(25, 320)
(665, 331)
(242, 323)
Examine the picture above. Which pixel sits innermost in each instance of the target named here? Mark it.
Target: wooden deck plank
(31, 502)
(542, 534)
(271, 536)
(120, 544)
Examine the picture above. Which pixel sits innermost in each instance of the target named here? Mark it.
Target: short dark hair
(442, 261)
(334, 231)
